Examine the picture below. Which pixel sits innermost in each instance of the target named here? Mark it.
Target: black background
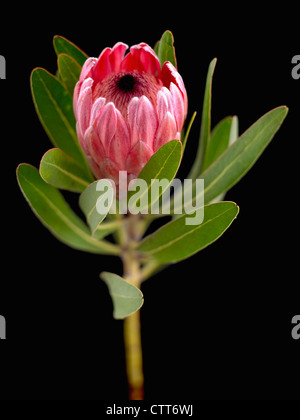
(216, 326)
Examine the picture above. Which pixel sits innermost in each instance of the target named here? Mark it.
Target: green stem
(132, 232)
(134, 356)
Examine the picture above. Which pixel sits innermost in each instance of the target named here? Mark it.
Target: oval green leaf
(177, 241)
(69, 71)
(55, 110)
(63, 46)
(54, 212)
(126, 298)
(63, 172)
(238, 159)
(96, 204)
(165, 49)
(219, 141)
(158, 173)
(222, 136)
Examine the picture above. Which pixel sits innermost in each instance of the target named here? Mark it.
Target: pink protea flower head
(126, 108)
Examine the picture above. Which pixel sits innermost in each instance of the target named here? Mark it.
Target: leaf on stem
(223, 134)
(69, 71)
(126, 298)
(238, 159)
(158, 173)
(165, 49)
(54, 212)
(63, 46)
(55, 110)
(185, 135)
(96, 204)
(63, 172)
(177, 241)
(205, 124)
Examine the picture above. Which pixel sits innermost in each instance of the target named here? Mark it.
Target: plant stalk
(134, 356)
(132, 325)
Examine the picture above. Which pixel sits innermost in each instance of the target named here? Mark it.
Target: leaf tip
(103, 275)
(57, 38)
(18, 170)
(33, 71)
(214, 62)
(168, 31)
(22, 165)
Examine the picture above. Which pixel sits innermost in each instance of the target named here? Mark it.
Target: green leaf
(165, 49)
(69, 72)
(156, 46)
(158, 174)
(185, 136)
(126, 298)
(205, 124)
(54, 212)
(55, 109)
(106, 228)
(234, 131)
(237, 159)
(219, 141)
(63, 46)
(96, 203)
(61, 171)
(177, 241)
(232, 137)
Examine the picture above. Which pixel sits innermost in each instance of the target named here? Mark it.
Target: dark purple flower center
(126, 83)
(120, 88)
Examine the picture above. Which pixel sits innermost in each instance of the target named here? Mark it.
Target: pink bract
(126, 108)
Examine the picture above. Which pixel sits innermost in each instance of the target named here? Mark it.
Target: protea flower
(126, 108)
